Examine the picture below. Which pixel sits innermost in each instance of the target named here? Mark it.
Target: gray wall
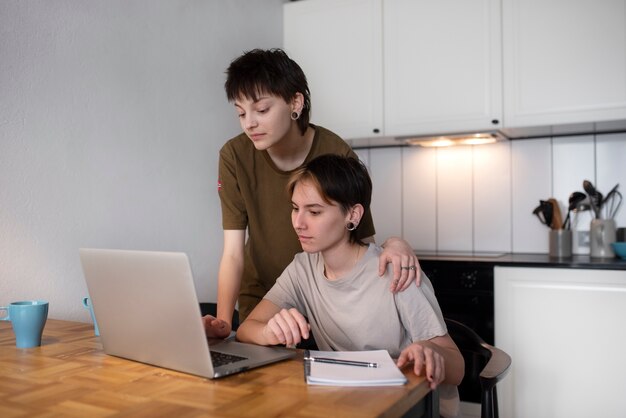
(111, 117)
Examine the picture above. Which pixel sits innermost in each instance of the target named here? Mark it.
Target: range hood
(491, 136)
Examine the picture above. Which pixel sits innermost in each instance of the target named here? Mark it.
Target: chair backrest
(484, 364)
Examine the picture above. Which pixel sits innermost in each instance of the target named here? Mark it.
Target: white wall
(481, 198)
(111, 117)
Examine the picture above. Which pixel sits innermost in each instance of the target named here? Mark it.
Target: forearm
(228, 286)
(453, 359)
(251, 331)
(455, 366)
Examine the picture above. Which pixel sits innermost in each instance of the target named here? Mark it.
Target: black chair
(484, 364)
(211, 309)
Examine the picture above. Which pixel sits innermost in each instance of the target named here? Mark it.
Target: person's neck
(340, 261)
(289, 153)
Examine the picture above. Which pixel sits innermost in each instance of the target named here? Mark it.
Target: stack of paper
(323, 373)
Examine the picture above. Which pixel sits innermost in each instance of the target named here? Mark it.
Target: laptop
(147, 311)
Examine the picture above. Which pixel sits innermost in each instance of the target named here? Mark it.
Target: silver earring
(351, 226)
(295, 115)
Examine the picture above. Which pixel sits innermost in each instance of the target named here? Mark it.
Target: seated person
(333, 290)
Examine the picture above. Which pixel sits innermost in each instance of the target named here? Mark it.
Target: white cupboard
(442, 66)
(564, 62)
(399, 67)
(564, 330)
(338, 44)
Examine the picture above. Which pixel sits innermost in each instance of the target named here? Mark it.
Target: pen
(340, 361)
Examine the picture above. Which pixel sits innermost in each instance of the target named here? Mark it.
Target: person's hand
(406, 267)
(287, 327)
(216, 328)
(427, 358)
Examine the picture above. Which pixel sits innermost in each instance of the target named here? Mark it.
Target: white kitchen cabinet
(564, 330)
(564, 61)
(441, 61)
(338, 44)
(442, 66)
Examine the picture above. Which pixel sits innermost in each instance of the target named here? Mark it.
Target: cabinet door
(442, 66)
(564, 330)
(564, 61)
(338, 44)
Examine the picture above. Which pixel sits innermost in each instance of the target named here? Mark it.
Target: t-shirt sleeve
(234, 214)
(420, 312)
(284, 292)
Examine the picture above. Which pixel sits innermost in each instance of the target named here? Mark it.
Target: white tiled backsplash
(481, 198)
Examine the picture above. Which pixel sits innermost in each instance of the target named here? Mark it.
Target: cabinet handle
(376, 130)
(495, 121)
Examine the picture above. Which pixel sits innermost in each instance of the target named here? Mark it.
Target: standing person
(332, 289)
(272, 99)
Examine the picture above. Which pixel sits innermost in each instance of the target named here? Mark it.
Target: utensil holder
(560, 243)
(601, 235)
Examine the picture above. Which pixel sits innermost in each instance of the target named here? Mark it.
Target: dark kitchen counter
(525, 260)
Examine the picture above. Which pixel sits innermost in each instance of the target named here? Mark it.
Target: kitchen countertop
(525, 260)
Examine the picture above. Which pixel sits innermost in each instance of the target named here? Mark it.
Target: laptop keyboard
(220, 359)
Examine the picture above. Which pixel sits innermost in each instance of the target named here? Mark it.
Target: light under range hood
(441, 140)
(476, 138)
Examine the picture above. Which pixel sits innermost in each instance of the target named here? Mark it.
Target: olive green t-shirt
(253, 194)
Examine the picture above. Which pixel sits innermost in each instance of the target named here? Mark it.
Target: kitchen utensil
(544, 212)
(611, 192)
(583, 206)
(612, 202)
(557, 218)
(615, 206)
(574, 199)
(595, 197)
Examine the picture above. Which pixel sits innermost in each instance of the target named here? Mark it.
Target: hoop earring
(351, 226)
(295, 115)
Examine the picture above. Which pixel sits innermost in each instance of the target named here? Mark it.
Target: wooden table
(69, 375)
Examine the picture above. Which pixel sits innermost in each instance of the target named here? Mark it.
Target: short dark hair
(268, 71)
(337, 178)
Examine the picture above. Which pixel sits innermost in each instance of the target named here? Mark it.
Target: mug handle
(86, 301)
(6, 317)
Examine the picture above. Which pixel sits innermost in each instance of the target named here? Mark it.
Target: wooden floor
(69, 375)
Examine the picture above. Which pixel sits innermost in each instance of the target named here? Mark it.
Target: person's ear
(297, 103)
(355, 214)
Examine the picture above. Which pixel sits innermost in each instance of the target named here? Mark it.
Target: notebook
(352, 368)
(147, 311)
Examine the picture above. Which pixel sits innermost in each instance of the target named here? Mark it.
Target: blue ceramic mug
(28, 319)
(87, 304)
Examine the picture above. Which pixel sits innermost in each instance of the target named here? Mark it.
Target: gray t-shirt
(358, 312)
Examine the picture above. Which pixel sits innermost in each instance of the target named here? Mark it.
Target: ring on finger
(407, 267)
(411, 268)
